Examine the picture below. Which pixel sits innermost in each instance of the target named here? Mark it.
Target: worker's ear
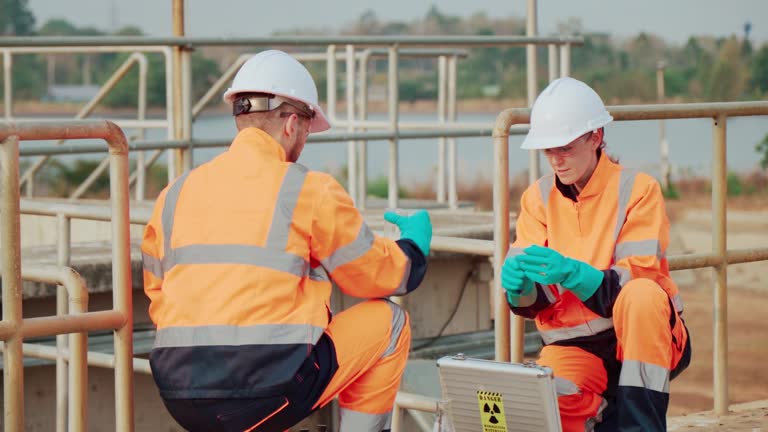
(291, 124)
(596, 139)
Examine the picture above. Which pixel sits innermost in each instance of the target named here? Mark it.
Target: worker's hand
(548, 266)
(416, 227)
(515, 283)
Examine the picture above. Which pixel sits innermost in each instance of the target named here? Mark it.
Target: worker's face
(295, 133)
(576, 161)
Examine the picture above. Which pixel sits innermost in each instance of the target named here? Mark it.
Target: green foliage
(762, 149)
(734, 184)
(622, 70)
(379, 187)
(15, 18)
(759, 70)
(69, 177)
(671, 192)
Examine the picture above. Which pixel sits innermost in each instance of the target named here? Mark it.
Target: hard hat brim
(538, 141)
(319, 124)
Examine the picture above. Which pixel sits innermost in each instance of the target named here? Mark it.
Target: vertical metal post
(170, 105)
(351, 153)
(442, 71)
(185, 56)
(397, 418)
(330, 72)
(552, 62)
(565, 60)
(501, 235)
(122, 300)
(533, 87)
(663, 145)
(394, 111)
(7, 84)
(453, 196)
(719, 247)
(178, 86)
(141, 167)
(13, 357)
(63, 256)
(362, 165)
(78, 369)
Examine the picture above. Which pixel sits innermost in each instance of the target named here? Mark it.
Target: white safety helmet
(564, 111)
(275, 72)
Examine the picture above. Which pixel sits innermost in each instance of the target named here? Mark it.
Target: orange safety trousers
(648, 346)
(372, 347)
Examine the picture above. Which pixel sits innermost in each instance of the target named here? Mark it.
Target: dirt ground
(692, 392)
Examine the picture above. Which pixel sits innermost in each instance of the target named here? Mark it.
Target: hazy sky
(674, 20)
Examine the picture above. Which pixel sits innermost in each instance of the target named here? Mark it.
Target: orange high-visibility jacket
(617, 223)
(238, 260)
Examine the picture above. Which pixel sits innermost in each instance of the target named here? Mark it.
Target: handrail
(718, 259)
(13, 328)
(367, 41)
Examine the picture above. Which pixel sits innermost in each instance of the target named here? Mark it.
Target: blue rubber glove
(515, 283)
(416, 227)
(548, 266)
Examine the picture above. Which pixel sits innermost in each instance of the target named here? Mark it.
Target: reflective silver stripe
(263, 334)
(545, 186)
(637, 248)
(152, 265)
(589, 328)
(238, 254)
(515, 251)
(398, 323)
(624, 274)
(345, 254)
(529, 299)
(547, 292)
(282, 217)
(597, 418)
(356, 421)
(644, 375)
(565, 387)
(626, 184)
(678, 302)
(169, 209)
(319, 274)
(560, 289)
(402, 289)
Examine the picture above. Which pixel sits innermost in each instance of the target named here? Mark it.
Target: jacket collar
(597, 183)
(255, 141)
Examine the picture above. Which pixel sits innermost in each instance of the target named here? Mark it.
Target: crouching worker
(589, 265)
(239, 256)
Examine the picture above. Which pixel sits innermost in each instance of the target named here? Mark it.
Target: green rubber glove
(548, 266)
(416, 227)
(516, 285)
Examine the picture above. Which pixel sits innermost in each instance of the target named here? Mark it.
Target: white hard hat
(564, 111)
(277, 73)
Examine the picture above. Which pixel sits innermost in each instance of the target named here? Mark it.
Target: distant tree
(58, 27)
(728, 78)
(762, 148)
(15, 18)
(759, 70)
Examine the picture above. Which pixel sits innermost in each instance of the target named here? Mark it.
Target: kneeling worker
(239, 256)
(589, 265)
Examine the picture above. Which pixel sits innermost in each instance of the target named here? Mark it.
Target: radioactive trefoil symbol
(492, 411)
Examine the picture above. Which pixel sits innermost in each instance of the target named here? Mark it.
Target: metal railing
(181, 111)
(511, 347)
(14, 328)
(137, 57)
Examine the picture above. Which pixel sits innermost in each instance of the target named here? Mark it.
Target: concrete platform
(749, 416)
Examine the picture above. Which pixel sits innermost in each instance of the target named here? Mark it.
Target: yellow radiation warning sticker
(491, 411)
